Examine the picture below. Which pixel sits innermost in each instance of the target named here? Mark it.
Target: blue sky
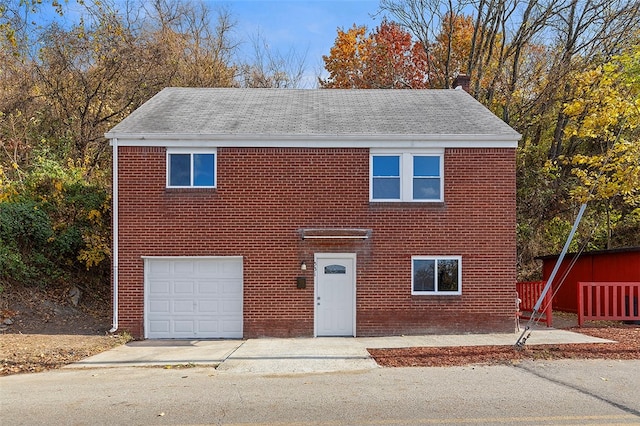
(306, 26)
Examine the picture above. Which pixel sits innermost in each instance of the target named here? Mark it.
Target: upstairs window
(386, 177)
(406, 176)
(426, 177)
(186, 169)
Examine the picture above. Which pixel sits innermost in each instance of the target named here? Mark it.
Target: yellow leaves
(615, 173)
(97, 248)
(6, 194)
(347, 56)
(574, 108)
(95, 217)
(605, 98)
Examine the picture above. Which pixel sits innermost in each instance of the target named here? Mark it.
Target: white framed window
(415, 176)
(191, 168)
(440, 275)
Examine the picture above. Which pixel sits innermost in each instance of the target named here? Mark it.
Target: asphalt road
(558, 392)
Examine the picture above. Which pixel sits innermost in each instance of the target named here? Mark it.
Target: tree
(347, 59)
(423, 19)
(605, 117)
(385, 59)
(395, 61)
(271, 69)
(451, 49)
(57, 101)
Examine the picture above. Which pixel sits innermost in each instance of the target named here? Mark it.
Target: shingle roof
(211, 112)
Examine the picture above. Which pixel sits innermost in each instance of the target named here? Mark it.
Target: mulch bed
(627, 346)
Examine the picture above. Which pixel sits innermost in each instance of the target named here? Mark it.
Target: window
(191, 169)
(426, 177)
(408, 176)
(436, 275)
(335, 269)
(386, 177)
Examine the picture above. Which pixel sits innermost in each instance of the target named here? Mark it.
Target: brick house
(266, 212)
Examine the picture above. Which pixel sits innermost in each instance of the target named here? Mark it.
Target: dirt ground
(42, 330)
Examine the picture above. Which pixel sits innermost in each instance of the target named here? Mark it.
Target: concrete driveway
(299, 355)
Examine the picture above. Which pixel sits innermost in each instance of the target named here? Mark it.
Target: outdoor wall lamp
(303, 266)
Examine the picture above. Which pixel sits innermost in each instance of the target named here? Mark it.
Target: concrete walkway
(299, 355)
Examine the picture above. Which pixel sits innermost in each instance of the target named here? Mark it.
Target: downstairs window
(436, 275)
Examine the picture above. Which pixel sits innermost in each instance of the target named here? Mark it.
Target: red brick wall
(265, 196)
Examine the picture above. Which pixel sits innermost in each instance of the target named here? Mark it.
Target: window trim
(406, 174)
(191, 152)
(436, 292)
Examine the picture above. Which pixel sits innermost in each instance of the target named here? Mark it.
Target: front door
(335, 294)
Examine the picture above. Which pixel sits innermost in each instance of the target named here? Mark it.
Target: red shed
(598, 266)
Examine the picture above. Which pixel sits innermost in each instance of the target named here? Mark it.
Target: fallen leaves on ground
(32, 353)
(626, 346)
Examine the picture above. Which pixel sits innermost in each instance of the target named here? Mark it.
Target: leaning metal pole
(522, 340)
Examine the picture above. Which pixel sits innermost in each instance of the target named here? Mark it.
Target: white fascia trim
(319, 141)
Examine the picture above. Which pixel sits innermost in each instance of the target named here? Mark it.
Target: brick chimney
(462, 81)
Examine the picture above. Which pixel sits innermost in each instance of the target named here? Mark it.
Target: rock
(74, 295)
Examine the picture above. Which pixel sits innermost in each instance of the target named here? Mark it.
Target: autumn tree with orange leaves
(388, 58)
(451, 50)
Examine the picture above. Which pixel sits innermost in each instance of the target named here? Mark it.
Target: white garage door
(193, 297)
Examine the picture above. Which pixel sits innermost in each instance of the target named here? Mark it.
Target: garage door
(193, 297)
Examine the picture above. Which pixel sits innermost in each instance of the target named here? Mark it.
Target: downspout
(114, 216)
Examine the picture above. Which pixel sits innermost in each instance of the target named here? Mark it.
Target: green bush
(25, 230)
(54, 227)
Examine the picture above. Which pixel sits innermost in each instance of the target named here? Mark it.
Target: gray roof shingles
(321, 112)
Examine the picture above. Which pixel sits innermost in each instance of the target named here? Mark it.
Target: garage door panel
(230, 269)
(184, 268)
(230, 306)
(232, 326)
(230, 288)
(183, 287)
(208, 269)
(160, 286)
(193, 298)
(208, 287)
(159, 269)
(208, 326)
(209, 307)
(160, 306)
(183, 326)
(159, 326)
(183, 306)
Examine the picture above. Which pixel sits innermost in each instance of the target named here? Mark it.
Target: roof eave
(321, 141)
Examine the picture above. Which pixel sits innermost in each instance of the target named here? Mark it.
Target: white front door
(335, 294)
